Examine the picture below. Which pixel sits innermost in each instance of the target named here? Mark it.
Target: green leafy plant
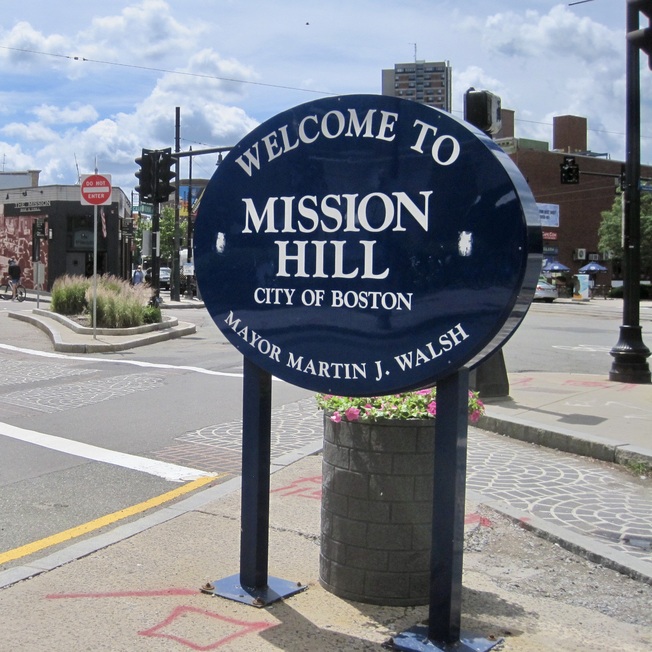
(419, 404)
(152, 315)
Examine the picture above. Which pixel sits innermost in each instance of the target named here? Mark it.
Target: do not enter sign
(95, 189)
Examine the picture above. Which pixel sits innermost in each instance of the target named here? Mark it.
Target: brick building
(573, 240)
(48, 224)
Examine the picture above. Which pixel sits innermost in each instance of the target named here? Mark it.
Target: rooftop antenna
(415, 51)
(77, 166)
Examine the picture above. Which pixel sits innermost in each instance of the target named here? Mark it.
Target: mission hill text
(319, 236)
(428, 352)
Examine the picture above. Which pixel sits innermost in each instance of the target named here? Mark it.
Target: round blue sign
(365, 245)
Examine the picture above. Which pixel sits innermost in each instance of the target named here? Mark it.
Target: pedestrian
(14, 277)
(138, 276)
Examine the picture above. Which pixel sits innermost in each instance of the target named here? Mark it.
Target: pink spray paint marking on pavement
(181, 616)
(242, 628)
(472, 519)
(303, 487)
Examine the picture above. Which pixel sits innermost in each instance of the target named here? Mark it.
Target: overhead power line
(165, 70)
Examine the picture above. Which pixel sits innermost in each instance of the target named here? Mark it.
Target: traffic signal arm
(641, 38)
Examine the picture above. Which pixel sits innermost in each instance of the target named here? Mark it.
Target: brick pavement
(607, 510)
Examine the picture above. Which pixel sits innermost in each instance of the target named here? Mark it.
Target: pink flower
(423, 392)
(475, 416)
(352, 414)
(336, 417)
(432, 408)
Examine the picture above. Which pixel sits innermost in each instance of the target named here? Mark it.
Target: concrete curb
(168, 322)
(170, 329)
(195, 501)
(567, 441)
(574, 542)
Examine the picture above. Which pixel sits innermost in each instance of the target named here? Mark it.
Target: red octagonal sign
(95, 189)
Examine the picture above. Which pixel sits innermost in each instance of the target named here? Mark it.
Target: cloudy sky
(86, 81)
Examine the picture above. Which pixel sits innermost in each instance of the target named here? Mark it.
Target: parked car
(545, 291)
(164, 275)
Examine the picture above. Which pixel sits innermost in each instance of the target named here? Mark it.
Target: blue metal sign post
(365, 245)
(443, 631)
(253, 585)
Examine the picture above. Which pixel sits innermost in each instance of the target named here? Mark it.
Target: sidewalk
(140, 590)
(137, 586)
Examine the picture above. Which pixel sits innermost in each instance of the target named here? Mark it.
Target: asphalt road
(85, 412)
(570, 337)
(152, 404)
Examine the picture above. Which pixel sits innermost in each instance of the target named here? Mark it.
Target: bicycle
(6, 291)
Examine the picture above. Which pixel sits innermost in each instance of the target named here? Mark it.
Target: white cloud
(146, 31)
(560, 33)
(75, 113)
(230, 65)
(22, 45)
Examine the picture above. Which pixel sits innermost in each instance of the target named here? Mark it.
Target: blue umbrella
(555, 266)
(592, 268)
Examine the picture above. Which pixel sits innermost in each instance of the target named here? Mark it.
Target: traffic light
(570, 171)
(146, 175)
(641, 38)
(165, 175)
(482, 110)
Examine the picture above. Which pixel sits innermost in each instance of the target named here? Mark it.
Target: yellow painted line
(109, 519)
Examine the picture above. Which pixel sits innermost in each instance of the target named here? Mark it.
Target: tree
(166, 226)
(166, 229)
(610, 231)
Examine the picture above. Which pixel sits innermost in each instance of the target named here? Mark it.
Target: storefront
(48, 224)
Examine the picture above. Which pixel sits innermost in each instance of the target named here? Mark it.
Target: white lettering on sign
(440, 145)
(264, 346)
(374, 213)
(338, 370)
(334, 124)
(371, 300)
(363, 299)
(432, 350)
(342, 214)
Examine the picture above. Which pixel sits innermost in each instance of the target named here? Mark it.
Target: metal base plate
(232, 589)
(416, 639)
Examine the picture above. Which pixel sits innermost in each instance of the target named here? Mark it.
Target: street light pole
(630, 353)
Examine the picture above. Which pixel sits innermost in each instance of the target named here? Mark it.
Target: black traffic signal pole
(156, 248)
(176, 274)
(630, 353)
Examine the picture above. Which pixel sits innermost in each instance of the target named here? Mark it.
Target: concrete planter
(377, 510)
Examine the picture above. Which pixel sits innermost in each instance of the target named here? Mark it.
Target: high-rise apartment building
(428, 82)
